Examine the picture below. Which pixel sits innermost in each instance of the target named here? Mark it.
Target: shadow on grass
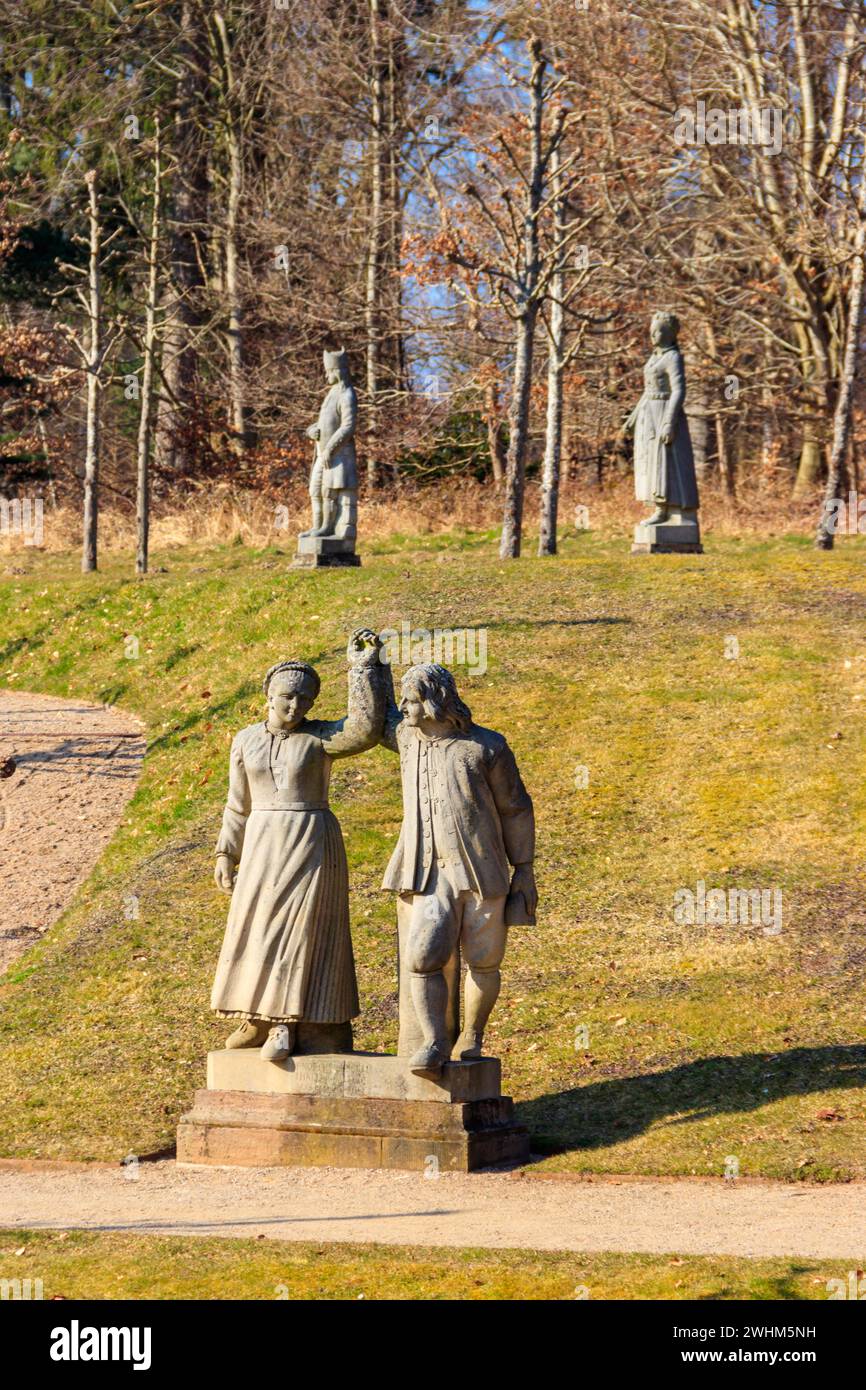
(781, 1288)
(613, 1111)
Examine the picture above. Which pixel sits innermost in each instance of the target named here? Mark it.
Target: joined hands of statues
(363, 642)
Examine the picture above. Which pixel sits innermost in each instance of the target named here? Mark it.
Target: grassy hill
(704, 1042)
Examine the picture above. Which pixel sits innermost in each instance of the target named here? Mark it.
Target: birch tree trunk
(555, 359)
(515, 479)
(187, 222)
(93, 364)
(495, 441)
(237, 387)
(723, 454)
(142, 491)
(373, 306)
(844, 401)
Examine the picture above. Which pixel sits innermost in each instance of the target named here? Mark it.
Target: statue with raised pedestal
(288, 1088)
(664, 465)
(334, 476)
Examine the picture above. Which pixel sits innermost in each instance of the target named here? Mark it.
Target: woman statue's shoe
(658, 516)
(250, 1034)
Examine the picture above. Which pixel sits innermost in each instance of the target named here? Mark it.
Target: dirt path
(485, 1209)
(76, 765)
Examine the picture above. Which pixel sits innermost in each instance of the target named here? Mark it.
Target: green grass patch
(84, 1265)
(704, 1042)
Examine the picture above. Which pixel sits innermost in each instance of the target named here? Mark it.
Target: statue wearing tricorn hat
(334, 477)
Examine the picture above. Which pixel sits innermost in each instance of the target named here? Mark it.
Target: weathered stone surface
(316, 552)
(238, 1127)
(366, 1075)
(668, 537)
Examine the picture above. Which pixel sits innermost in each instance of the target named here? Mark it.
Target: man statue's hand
(523, 881)
(364, 645)
(224, 873)
(313, 431)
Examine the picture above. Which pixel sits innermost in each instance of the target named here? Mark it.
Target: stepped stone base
(680, 537)
(358, 1110)
(316, 552)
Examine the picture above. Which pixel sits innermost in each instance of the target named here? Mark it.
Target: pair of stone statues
(663, 458)
(462, 869)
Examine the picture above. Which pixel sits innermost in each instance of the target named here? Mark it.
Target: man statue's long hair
(437, 690)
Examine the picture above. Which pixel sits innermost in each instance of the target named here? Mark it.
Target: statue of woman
(287, 953)
(664, 465)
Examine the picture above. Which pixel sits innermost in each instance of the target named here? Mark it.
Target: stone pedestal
(679, 535)
(316, 552)
(355, 1110)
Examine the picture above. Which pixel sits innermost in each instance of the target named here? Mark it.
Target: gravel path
(500, 1210)
(76, 766)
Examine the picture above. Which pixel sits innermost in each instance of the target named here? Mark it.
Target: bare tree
(142, 492)
(92, 346)
(845, 397)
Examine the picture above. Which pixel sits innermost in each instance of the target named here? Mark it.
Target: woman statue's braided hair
(302, 669)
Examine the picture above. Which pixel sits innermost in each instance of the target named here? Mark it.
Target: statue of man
(334, 479)
(463, 866)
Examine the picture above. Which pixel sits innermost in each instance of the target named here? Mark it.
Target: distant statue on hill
(334, 477)
(664, 465)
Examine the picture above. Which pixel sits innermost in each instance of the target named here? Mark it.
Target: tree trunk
(495, 439)
(373, 305)
(512, 520)
(555, 359)
(697, 415)
(815, 372)
(518, 426)
(94, 362)
(726, 468)
(397, 61)
(723, 453)
(237, 392)
(237, 385)
(142, 491)
(187, 222)
(845, 398)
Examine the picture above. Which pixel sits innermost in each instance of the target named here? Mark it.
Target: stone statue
(286, 968)
(664, 466)
(334, 477)
(463, 866)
